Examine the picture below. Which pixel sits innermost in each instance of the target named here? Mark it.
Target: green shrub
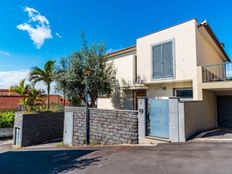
(7, 119)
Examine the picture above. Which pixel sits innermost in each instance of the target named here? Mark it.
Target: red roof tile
(10, 102)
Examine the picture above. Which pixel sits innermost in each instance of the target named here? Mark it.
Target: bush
(7, 119)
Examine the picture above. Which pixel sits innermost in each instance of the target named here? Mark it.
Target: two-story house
(186, 61)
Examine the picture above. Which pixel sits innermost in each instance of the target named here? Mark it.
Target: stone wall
(40, 127)
(106, 126)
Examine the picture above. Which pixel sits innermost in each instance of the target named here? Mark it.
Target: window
(186, 93)
(162, 60)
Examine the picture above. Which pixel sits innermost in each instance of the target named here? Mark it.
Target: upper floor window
(162, 60)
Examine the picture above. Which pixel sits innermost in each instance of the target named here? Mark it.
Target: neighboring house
(186, 61)
(10, 100)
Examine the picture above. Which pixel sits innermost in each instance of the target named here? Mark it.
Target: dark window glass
(184, 93)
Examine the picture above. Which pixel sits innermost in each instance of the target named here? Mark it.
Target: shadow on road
(45, 162)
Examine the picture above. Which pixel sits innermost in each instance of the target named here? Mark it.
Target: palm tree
(46, 75)
(34, 98)
(22, 89)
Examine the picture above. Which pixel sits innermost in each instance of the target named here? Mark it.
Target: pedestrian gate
(158, 118)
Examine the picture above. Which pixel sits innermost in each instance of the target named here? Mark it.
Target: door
(17, 136)
(138, 94)
(68, 128)
(224, 107)
(158, 112)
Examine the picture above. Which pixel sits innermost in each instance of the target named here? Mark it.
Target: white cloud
(4, 53)
(37, 26)
(58, 35)
(12, 78)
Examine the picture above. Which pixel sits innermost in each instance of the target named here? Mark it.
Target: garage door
(224, 111)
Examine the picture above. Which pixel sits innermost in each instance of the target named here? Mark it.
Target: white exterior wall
(193, 47)
(184, 38)
(206, 51)
(124, 65)
(200, 115)
(125, 71)
(105, 103)
(165, 90)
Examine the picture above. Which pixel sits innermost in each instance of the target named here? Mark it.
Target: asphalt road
(186, 158)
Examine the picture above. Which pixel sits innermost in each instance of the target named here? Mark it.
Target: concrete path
(5, 145)
(186, 158)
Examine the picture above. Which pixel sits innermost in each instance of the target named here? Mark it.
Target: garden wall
(106, 126)
(6, 132)
(37, 128)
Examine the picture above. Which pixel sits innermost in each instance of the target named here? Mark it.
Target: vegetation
(22, 89)
(34, 100)
(60, 77)
(31, 98)
(45, 75)
(71, 77)
(7, 119)
(100, 80)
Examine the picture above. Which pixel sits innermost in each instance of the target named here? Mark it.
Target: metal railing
(220, 72)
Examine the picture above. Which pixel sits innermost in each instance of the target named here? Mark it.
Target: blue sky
(117, 23)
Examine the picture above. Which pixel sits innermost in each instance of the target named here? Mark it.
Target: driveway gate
(158, 118)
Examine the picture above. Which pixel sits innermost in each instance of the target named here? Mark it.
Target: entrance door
(158, 112)
(136, 95)
(224, 107)
(17, 136)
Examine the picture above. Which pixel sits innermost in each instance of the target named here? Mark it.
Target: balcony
(216, 73)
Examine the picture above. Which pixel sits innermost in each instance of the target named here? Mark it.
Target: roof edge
(214, 37)
(171, 26)
(121, 51)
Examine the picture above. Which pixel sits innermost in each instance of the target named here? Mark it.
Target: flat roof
(205, 24)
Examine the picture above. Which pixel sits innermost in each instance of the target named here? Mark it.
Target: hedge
(7, 119)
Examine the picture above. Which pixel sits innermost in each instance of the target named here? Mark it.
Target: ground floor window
(185, 93)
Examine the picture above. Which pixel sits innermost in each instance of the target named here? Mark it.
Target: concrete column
(173, 120)
(18, 125)
(181, 122)
(68, 128)
(141, 119)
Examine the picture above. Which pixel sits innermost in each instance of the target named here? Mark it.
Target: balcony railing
(213, 73)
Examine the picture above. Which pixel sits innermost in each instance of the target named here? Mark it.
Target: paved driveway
(187, 158)
(219, 135)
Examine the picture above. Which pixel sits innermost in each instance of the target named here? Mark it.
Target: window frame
(173, 57)
(187, 88)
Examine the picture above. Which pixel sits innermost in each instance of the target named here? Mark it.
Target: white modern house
(185, 61)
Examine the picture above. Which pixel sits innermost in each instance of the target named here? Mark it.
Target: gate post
(68, 128)
(181, 122)
(173, 120)
(142, 119)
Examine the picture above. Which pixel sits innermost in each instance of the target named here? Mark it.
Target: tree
(34, 99)
(22, 90)
(60, 78)
(45, 75)
(101, 80)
